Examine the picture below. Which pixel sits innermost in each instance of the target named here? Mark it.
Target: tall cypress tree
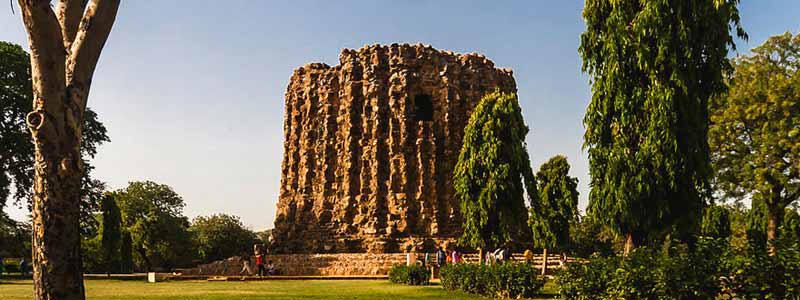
(111, 234)
(493, 172)
(653, 67)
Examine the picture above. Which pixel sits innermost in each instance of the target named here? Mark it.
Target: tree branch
(69, 14)
(92, 35)
(47, 53)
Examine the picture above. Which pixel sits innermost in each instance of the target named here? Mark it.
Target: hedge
(509, 280)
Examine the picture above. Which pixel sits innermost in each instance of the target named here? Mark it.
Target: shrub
(410, 275)
(11, 265)
(587, 280)
(648, 273)
(756, 275)
(503, 281)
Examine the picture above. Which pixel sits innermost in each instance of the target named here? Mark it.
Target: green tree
(757, 225)
(16, 165)
(716, 222)
(653, 67)
(111, 234)
(755, 130)
(152, 214)
(15, 237)
(221, 236)
(550, 217)
(493, 167)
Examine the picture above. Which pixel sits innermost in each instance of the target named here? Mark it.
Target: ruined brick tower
(370, 148)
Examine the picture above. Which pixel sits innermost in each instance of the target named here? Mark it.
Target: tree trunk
(630, 244)
(544, 261)
(481, 259)
(56, 237)
(774, 216)
(64, 49)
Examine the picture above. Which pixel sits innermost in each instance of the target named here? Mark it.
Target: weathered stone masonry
(370, 147)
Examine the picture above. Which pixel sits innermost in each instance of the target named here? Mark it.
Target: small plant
(410, 275)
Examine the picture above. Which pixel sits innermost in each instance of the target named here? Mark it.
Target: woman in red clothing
(260, 264)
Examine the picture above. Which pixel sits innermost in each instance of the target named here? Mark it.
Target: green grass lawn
(274, 289)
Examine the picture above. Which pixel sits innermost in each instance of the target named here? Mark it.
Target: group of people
(501, 255)
(443, 258)
(263, 269)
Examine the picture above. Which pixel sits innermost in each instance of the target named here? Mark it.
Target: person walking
(247, 269)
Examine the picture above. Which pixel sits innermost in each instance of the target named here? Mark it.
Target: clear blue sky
(192, 91)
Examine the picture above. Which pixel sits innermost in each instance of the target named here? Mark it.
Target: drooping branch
(69, 14)
(89, 41)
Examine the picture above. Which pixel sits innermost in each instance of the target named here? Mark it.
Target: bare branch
(92, 35)
(69, 14)
(47, 53)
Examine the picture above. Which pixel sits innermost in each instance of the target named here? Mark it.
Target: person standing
(506, 253)
(441, 257)
(260, 264)
(456, 256)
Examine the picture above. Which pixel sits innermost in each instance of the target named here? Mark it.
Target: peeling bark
(64, 53)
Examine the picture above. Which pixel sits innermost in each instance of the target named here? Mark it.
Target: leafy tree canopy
(755, 128)
(493, 172)
(653, 67)
(557, 206)
(153, 215)
(221, 236)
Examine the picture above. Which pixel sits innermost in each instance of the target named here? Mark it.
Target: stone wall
(370, 146)
(340, 264)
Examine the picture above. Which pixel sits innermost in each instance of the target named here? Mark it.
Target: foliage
(653, 66)
(126, 252)
(15, 140)
(755, 130)
(756, 275)
(10, 265)
(15, 237)
(588, 236)
(757, 219)
(509, 280)
(716, 222)
(489, 175)
(111, 234)
(557, 207)
(648, 273)
(220, 236)
(152, 214)
(410, 275)
(587, 280)
(92, 255)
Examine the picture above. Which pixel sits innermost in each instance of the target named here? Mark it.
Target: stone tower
(370, 148)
